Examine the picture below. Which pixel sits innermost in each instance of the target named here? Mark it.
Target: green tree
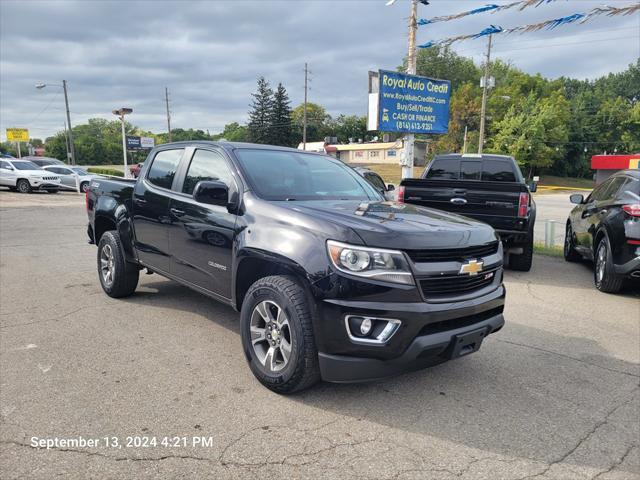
(442, 62)
(281, 123)
(261, 113)
(233, 132)
(318, 122)
(534, 131)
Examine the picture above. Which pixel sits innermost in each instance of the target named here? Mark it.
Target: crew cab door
(201, 235)
(151, 218)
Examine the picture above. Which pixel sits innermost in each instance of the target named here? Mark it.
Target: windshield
(80, 171)
(26, 166)
(287, 175)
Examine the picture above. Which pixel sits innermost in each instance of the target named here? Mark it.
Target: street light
(121, 112)
(72, 151)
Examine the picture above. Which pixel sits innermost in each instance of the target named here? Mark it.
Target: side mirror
(576, 198)
(533, 187)
(211, 192)
(391, 187)
(8, 167)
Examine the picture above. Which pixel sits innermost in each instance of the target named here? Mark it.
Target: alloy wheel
(107, 268)
(601, 262)
(271, 335)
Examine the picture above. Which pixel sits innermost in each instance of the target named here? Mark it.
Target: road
(555, 394)
(556, 207)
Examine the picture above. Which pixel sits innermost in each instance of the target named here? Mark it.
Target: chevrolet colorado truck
(487, 187)
(331, 281)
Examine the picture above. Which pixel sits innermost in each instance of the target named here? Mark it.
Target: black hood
(398, 225)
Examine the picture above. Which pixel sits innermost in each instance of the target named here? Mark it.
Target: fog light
(368, 330)
(365, 326)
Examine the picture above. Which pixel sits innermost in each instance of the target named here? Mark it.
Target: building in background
(607, 165)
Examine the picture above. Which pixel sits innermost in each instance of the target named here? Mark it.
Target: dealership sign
(17, 135)
(140, 143)
(408, 103)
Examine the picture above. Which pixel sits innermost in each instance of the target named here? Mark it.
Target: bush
(105, 171)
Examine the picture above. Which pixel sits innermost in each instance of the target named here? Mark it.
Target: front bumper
(43, 185)
(424, 351)
(426, 331)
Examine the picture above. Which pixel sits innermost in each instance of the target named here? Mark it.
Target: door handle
(140, 201)
(459, 191)
(176, 212)
(603, 211)
(458, 201)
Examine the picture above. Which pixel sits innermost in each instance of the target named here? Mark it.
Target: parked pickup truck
(331, 281)
(489, 188)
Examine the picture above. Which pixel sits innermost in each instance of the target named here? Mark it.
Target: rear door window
(470, 170)
(444, 169)
(163, 168)
(497, 171)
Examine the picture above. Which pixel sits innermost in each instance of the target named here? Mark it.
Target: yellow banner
(17, 135)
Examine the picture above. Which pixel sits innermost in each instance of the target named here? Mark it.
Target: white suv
(25, 176)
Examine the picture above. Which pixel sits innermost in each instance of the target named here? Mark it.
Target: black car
(605, 228)
(376, 180)
(331, 281)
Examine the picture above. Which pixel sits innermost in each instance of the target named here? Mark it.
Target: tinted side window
(497, 171)
(206, 165)
(470, 170)
(631, 185)
(4, 164)
(164, 167)
(612, 189)
(376, 181)
(444, 168)
(600, 191)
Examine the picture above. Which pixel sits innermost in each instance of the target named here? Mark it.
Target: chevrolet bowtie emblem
(472, 267)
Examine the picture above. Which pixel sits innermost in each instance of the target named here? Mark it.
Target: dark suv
(605, 228)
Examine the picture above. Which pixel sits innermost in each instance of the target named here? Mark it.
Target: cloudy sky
(209, 53)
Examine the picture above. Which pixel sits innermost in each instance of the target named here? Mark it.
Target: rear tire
(604, 275)
(277, 335)
(570, 254)
(523, 261)
(23, 186)
(118, 277)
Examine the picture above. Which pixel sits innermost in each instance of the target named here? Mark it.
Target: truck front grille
(463, 284)
(452, 254)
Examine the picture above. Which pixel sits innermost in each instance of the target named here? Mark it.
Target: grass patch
(390, 173)
(571, 182)
(540, 249)
(106, 171)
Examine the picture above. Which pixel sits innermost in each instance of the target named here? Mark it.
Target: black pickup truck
(331, 281)
(489, 188)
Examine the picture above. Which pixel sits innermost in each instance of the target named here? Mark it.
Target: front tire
(84, 186)
(23, 186)
(570, 254)
(277, 335)
(118, 277)
(604, 275)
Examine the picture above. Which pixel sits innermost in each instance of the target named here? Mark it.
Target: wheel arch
(253, 265)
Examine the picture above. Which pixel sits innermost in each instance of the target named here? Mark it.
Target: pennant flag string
(487, 8)
(546, 25)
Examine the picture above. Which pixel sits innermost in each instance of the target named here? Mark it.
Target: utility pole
(485, 88)
(304, 115)
(66, 102)
(407, 164)
(166, 98)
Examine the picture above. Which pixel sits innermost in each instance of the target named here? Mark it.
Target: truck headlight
(375, 263)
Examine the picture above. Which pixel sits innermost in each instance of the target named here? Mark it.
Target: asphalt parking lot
(553, 395)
